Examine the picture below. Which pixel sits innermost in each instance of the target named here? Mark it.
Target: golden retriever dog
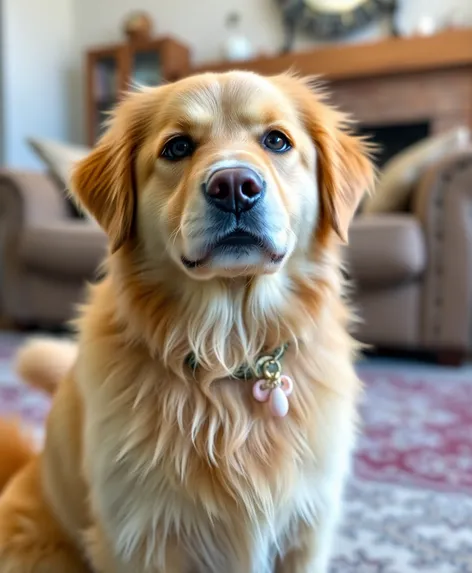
(208, 414)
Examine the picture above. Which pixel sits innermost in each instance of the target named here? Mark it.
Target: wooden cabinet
(112, 70)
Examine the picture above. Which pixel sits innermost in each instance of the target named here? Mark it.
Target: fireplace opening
(392, 139)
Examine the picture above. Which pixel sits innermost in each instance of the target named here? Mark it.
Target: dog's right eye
(178, 148)
(276, 141)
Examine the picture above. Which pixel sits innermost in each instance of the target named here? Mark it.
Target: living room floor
(409, 503)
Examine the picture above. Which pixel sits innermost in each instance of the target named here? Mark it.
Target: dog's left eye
(178, 148)
(276, 141)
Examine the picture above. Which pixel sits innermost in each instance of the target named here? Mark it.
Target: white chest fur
(150, 513)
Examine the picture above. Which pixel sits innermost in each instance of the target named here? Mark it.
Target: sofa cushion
(59, 158)
(72, 249)
(385, 250)
(399, 175)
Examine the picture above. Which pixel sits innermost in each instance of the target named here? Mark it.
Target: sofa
(47, 253)
(411, 270)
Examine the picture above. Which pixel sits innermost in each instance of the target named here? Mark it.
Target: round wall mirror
(327, 19)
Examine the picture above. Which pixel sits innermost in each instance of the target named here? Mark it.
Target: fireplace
(391, 139)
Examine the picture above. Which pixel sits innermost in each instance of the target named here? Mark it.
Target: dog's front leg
(105, 560)
(320, 496)
(310, 547)
(311, 550)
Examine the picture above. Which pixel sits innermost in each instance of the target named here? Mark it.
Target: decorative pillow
(399, 175)
(59, 159)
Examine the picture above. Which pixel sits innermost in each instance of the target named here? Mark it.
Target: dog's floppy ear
(103, 182)
(345, 169)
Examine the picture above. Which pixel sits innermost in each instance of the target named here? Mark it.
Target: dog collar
(271, 385)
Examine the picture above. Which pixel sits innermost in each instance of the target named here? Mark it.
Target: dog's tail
(15, 450)
(43, 362)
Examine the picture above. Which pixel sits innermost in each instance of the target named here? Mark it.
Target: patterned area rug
(409, 504)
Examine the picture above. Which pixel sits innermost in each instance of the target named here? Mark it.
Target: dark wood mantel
(396, 80)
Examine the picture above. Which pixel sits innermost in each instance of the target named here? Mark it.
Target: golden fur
(15, 451)
(148, 467)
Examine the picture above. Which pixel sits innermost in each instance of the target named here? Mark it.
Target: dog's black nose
(234, 190)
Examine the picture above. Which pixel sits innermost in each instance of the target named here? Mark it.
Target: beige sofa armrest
(443, 204)
(29, 198)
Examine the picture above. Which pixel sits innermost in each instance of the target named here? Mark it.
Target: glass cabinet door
(146, 67)
(106, 88)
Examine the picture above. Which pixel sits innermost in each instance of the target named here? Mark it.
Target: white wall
(37, 41)
(460, 11)
(200, 23)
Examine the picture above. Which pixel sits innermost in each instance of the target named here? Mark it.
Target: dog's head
(226, 174)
